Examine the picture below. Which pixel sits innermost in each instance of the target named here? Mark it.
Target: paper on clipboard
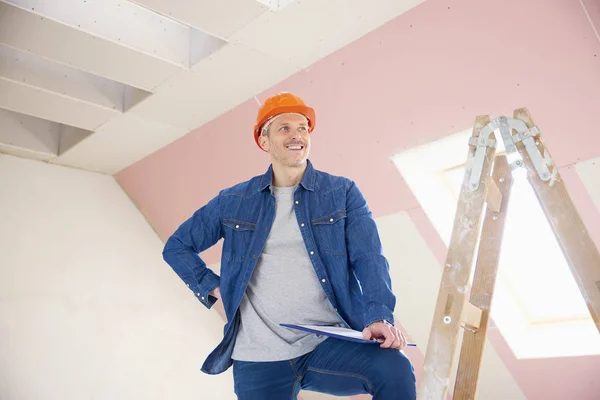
(336, 332)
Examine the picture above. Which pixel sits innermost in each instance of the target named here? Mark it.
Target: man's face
(287, 140)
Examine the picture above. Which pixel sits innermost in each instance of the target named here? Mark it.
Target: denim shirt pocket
(238, 235)
(330, 232)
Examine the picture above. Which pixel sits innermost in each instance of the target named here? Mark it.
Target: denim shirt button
(323, 280)
(312, 252)
(302, 224)
(297, 202)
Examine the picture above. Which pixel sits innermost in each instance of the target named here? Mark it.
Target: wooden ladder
(486, 187)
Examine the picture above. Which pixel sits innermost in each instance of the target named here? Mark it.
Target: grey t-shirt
(283, 289)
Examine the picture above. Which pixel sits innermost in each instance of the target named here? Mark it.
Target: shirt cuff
(377, 314)
(210, 282)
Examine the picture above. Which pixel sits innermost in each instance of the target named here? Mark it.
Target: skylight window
(537, 304)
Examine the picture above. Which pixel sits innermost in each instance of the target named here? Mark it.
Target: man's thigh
(345, 368)
(265, 380)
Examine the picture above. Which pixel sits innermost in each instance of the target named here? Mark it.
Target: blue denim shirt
(339, 232)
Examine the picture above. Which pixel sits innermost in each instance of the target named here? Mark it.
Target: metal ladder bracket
(522, 134)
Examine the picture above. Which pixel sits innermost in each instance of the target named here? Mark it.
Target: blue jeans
(335, 367)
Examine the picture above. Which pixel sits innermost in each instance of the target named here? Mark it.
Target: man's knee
(393, 362)
(395, 370)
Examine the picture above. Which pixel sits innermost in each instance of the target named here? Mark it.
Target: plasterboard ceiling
(100, 84)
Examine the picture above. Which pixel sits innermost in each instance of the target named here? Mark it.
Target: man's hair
(265, 129)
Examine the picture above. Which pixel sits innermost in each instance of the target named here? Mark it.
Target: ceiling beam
(84, 50)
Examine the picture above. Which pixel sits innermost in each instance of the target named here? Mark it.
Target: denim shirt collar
(308, 180)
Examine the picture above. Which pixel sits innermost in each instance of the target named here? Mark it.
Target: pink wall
(422, 76)
(592, 7)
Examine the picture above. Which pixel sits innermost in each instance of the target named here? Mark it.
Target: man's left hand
(391, 337)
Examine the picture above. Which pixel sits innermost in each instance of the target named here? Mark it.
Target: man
(300, 247)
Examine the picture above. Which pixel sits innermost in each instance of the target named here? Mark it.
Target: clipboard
(337, 333)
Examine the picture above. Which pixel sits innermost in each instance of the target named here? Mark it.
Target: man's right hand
(216, 293)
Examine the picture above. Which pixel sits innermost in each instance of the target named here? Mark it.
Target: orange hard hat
(282, 103)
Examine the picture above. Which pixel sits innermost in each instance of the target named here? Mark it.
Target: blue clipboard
(337, 333)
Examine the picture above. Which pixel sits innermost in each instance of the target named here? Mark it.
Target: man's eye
(284, 128)
(302, 128)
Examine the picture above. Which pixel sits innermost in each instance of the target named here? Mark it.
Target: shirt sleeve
(366, 258)
(181, 251)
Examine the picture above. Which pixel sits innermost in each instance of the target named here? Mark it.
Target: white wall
(88, 308)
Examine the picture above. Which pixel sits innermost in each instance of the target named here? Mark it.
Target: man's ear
(263, 142)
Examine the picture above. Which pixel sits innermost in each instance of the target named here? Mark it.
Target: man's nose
(296, 134)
